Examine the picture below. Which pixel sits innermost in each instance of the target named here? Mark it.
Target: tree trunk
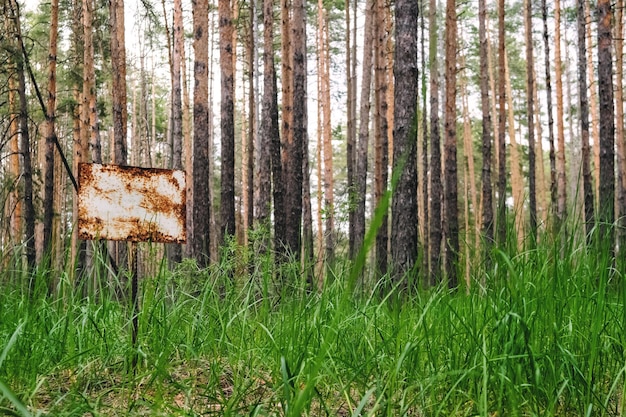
(593, 101)
(552, 151)
(252, 112)
(351, 129)
(381, 166)
(425, 192)
(501, 218)
(606, 197)
(174, 250)
(120, 113)
(542, 202)
(451, 229)
(326, 125)
(294, 144)
(530, 88)
(25, 150)
(561, 208)
(15, 200)
(364, 128)
(404, 199)
(436, 184)
(268, 130)
(200, 236)
(227, 122)
(486, 134)
(619, 127)
(48, 201)
(584, 119)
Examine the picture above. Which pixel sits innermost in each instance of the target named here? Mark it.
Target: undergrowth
(538, 333)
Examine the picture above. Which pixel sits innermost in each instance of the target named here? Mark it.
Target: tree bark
(436, 184)
(120, 113)
(174, 250)
(530, 116)
(593, 101)
(15, 200)
(269, 128)
(351, 129)
(584, 118)
(51, 139)
(404, 200)
(619, 127)
(552, 151)
(501, 218)
(227, 122)
(451, 229)
(326, 125)
(486, 134)
(201, 235)
(607, 123)
(25, 150)
(364, 128)
(381, 134)
(561, 208)
(294, 144)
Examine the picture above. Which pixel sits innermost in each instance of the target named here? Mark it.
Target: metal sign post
(134, 205)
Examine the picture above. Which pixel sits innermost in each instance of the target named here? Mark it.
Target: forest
(391, 208)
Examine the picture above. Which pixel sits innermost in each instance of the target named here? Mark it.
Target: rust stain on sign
(131, 204)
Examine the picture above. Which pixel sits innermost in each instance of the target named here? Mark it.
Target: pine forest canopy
(402, 137)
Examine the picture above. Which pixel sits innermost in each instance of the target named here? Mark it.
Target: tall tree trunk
(15, 200)
(619, 127)
(188, 151)
(351, 129)
(51, 138)
(607, 122)
(326, 129)
(542, 202)
(320, 196)
(584, 118)
(593, 100)
(486, 134)
(174, 250)
(404, 199)
(381, 166)
(201, 235)
(451, 229)
(269, 127)
(530, 87)
(252, 126)
(294, 127)
(364, 128)
(552, 151)
(425, 192)
(436, 184)
(227, 121)
(120, 113)
(25, 150)
(561, 208)
(501, 218)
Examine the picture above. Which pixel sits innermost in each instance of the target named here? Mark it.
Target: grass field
(544, 336)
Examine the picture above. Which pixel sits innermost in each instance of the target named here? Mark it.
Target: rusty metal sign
(131, 204)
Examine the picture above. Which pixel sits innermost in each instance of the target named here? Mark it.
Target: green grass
(545, 337)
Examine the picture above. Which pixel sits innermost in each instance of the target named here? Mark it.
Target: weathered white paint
(131, 204)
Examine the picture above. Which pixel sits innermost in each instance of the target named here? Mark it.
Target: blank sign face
(131, 204)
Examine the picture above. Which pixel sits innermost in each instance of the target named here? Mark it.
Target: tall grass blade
(13, 399)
